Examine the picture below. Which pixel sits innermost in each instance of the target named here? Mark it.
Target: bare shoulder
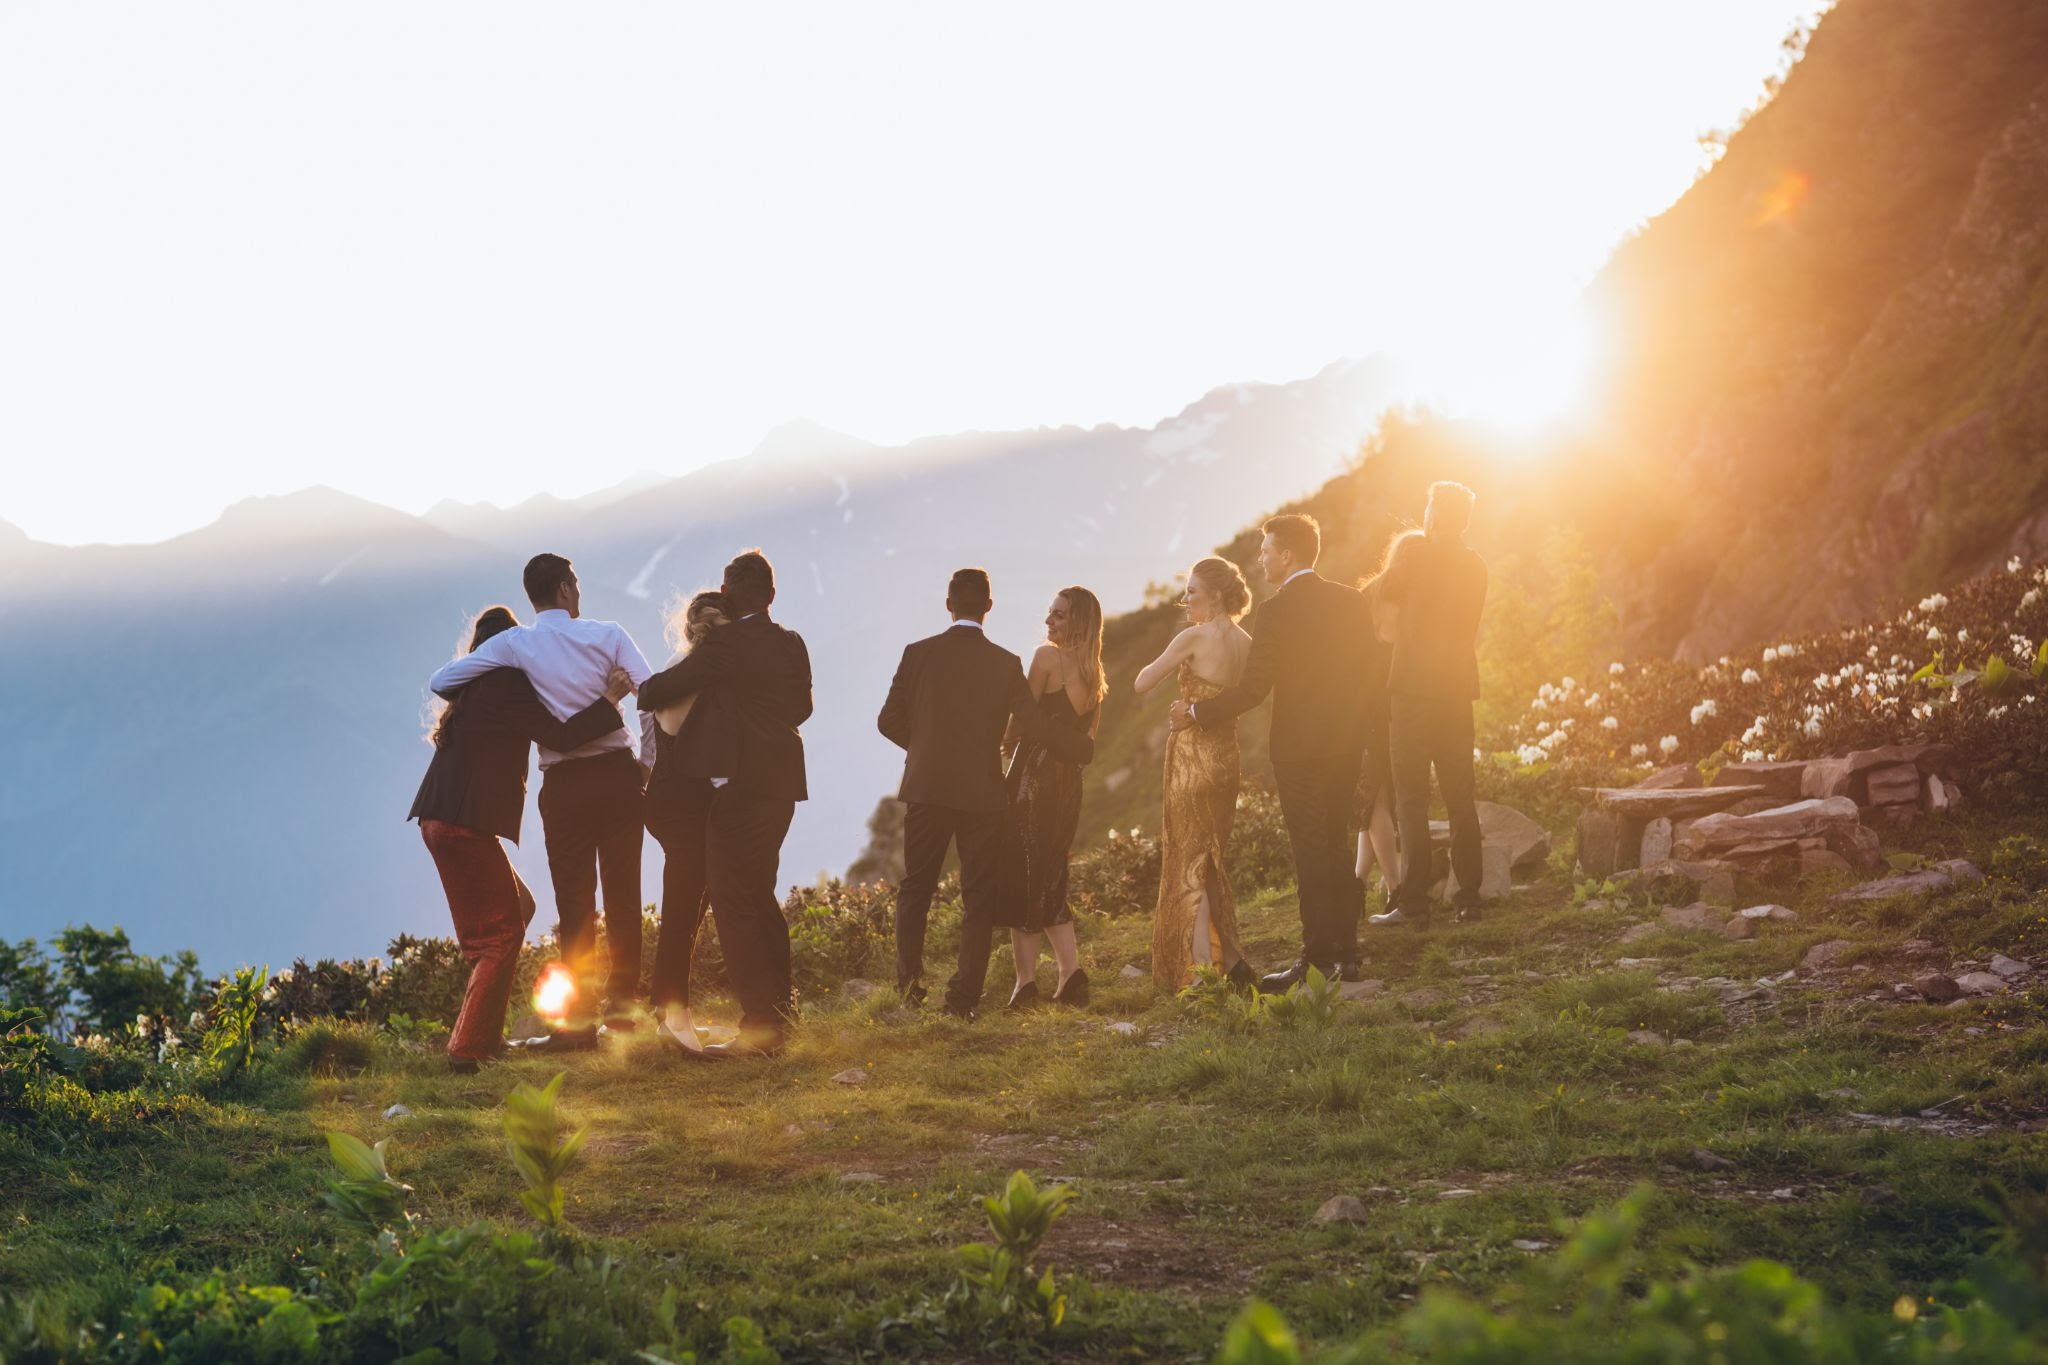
(1046, 655)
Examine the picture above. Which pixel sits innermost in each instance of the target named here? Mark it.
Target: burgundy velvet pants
(490, 910)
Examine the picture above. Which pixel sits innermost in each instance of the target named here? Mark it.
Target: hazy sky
(481, 250)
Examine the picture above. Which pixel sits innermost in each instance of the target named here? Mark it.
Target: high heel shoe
(1026, 997)
(1074, 990)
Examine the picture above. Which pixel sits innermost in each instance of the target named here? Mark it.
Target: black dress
(1039, 825)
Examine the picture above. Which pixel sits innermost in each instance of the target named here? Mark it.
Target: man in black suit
(1310, 648)
(750, 751)
(1438, 592)
(951, 699)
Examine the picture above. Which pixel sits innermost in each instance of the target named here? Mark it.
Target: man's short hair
(969, 593)
(1454, 505)
(749, 582)
(545, 575)
(1298, 534)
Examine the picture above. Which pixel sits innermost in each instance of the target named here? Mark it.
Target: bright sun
(1520, 368)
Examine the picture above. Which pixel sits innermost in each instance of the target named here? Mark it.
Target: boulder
(1756, 850)
(1897, 785)
(1816, 861)
(1527, 843)
(1599, 840)
(1858, 846)
(1824, 954)
(1936, 989)
(1779, 779)
(1656, 845)
(1707, 880)
(2008, 967)
(1678, 777)
(1698, 917)
(1938, 796)
(1751, 805)
(1928, 758)
(1981, 983)
(1825, 777)
(1712, 833)
(1739, 928)
(1953, 872)
(1496, 876)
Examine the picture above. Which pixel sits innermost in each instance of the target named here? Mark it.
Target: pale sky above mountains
(483, 250)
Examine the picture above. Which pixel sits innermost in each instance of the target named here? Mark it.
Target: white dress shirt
(568, 659)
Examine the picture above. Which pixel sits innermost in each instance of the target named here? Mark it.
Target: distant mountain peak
(805, 439)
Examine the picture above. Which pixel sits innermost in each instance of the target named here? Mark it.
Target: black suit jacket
(952, 697)
(1439, 592)
(1313, 649)
(478, 774)
(758, 678)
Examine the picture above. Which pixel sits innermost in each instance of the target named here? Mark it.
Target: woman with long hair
(1196, 922)
(474, 794)
(678, 809)
(1045, 799)
(1374, 804)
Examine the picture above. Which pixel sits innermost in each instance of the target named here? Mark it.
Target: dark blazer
(1439, 591)
(478, 774)
(1313, 649)
(757, 677)
(952, 697)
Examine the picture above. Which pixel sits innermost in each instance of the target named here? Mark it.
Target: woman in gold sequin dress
(1197, 917)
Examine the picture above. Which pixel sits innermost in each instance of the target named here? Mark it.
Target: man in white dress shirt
(589, 798)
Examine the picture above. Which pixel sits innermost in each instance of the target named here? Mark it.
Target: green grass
(1495, 1061)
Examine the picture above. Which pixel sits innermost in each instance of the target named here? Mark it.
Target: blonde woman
(1066, 680)
(1377, 843)
(1197, 916)
(678, 812)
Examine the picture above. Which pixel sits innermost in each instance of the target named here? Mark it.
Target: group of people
(1372, 688)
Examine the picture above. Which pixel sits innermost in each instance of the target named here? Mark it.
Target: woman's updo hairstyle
(1224, 579)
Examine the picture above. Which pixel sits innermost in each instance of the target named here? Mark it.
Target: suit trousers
(485, 902)
(1434, 732)
(682, 826)
(590, 815)
(745, 852)
(928, 831)
(1316, 796)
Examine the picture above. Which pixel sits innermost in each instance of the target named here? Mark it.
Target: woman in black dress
(1045, 800)
(1375, 799)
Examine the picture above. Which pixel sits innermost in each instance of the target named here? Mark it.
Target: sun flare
(1518, 369)
(553, 992)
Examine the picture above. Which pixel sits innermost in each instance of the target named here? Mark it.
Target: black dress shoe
(1072, 991)
(1025, 997)
(912, 994)
(464, 1066)
(1398, 916)
(619, 1016)
(1273, 983)
(1242, 976)
(1347, 971)
(562, 1040)
(1467, 913)
(964, 1013)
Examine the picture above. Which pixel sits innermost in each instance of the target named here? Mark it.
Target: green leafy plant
(364, 1192)
(1309, 1003)
(996, 1284)
(531, 1129)
(230, 1037)
(217, 1320)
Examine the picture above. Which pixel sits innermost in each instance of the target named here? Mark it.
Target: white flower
(1592, 700)
(1542, 727)
(1934, 602)
(1529, 755)
(1569, 683)
(1609, 723)
(1541, 703)
(1996, 712)
(1547, 691)
(1134, 831)
(1770, 657)
(1962, 635)
(1751, 676)
(1813, 727)
(1706, 708)
(1668, 745)
(1638, 751)
(1615, 670)
(1788, 651)
(1934, 632)
(1752, 755)
(1566, 723)
(1870, 653)
(2013, 565)
(2033, 596)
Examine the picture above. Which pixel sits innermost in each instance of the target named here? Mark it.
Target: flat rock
(1981, 983)
(1529, 1244)
(1644, 1037)
(1728, 830)
(1940, 877)
(2008, 967)
(1815, 862)
(1133, 972)
(1122, 1028)
(1896, 785)
(1677, 777)
(1939, 796)
(1456, 1194)
(1936, 988)
(1739, 928)
(1859, 846)
(1698, 917)
(1424, 998)
(1780, 779)
(1635, 803)
(1636, 933)
(1527, 843)
(853, 1075)
(1343, 1208)
(857, 988)
(1496, 872)
(398, 1111)
(1656, 845)
(1360, 990)
(1928, 758)
(1825, 777)
(1824, 954)
(1783, 914)
(859, 1178)
(1599, 843)
(1710, 1161)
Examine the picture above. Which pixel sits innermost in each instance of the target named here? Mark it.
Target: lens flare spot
(553, 992)
(1782, 200)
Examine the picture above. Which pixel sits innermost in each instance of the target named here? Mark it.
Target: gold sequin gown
(1200, 802)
